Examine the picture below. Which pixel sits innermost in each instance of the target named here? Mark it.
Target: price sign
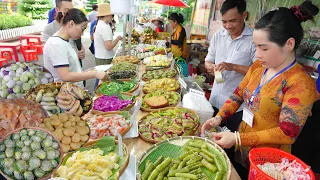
(120, 149)
(182, 82)
(172, 64)
(317, 54)
(196, 92)
(136, 110)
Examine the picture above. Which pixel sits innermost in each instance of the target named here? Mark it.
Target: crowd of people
(267, 99)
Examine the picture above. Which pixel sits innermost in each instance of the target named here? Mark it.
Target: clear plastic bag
(199, 104)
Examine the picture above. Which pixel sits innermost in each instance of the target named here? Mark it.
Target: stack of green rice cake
(196, 160)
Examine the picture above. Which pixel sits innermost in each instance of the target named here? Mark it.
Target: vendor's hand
(88, 70)
(224, 139)
(119, 38)
(81, 54)
(224, 67)
(210, 68)
(102, 76)
(210, 123)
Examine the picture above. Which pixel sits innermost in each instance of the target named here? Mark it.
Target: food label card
(196, 92)
(182, 82)
(120, 144)
(317, 54)
(136, 110)
(172, 64)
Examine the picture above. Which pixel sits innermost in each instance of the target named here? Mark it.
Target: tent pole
(130, 34)
(124, 35)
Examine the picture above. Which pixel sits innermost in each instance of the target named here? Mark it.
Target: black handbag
(91, 48)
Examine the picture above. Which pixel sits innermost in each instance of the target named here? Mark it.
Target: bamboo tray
(14, 120)
(91, 143)
(136, 68)
(125, 153)
(158, 66)
(135, 76)
(121, 59)
(180, 141)
(112, 113)
(131, 91)
(125, 109)
(147, 65)
(150, 109)
(48, 132)
(145, 79)
(71, 150)
(156, 141)
(146, 92)
(58, 85)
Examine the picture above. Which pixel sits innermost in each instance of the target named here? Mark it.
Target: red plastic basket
(272, 155)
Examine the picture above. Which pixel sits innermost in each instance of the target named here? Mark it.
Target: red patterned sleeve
(296, 107)
(236, 99)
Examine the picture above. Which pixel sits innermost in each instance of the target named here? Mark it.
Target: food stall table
(12, 46)
(137, 146)
(28, 37)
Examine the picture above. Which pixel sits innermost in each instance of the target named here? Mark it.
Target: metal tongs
(115, 55)
(154, 67)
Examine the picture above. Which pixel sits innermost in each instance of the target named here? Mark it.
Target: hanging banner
(201, 16)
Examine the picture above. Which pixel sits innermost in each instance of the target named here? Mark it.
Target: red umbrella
(175, 3)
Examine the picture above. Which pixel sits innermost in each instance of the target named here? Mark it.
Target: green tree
(9, 21)
(186, 12)
(35, 9)
(89, 5)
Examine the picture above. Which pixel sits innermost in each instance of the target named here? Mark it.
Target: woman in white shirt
(103, 36)
(59, 56)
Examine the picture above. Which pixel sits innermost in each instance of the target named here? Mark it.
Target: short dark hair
(241, 6)
(58, 2)
(75, 15)
(94, 7)
(283, 23)
(176, 17)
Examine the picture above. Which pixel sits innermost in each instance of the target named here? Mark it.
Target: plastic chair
(36, 46)
(3, 60)
(30, 46)
(28, 53)
(39, 48)
(6, 54)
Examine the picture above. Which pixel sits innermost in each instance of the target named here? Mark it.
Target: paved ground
(88, 62)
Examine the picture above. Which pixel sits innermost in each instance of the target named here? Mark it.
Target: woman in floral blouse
(277, 92)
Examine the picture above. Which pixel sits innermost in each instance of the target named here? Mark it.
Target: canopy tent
(172, 3)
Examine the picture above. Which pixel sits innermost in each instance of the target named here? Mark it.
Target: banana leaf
(107, 145)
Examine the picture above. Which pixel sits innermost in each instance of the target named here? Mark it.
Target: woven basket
(48, 132)
(150, 109)
(125, 109)
(146, 92)
(155, 141)
(128, 79)
(126, 154)
(145, 79)
(131, 91)
(116, 112)
(180, 141)
(58, 85)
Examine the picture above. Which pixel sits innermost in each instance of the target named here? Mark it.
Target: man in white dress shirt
(231, 52)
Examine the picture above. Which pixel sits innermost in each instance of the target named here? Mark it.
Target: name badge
(247, 116)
